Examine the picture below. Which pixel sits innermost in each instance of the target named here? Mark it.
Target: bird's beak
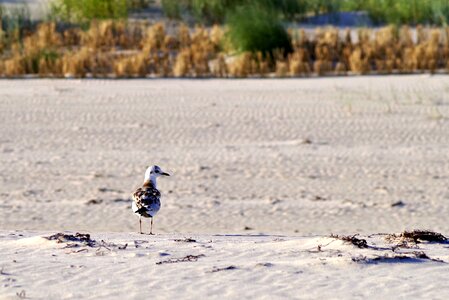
(165, 174)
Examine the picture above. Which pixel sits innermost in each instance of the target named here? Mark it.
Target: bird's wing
(145, 197)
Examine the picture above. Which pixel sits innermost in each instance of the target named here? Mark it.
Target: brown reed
(138, 49)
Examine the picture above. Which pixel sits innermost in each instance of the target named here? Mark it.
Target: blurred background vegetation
(238, 37)
(208, 12)
(381, 11)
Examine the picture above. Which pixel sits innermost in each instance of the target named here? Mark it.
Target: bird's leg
(140, 225)
(151, 228)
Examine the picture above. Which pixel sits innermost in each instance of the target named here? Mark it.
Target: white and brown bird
(147, 199)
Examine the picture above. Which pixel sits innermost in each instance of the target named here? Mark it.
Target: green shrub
(440, 12)
(212, 11)
(403, 11)
(381, 11)
(215, 11)
(80, 11)
(172, 8)
(255, 28)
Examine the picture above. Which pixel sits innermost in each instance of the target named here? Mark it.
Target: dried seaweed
(404, 244)
(182, 259)
(398, 204)
(418, 236)
(80, 250)
(83, 238)
(22, 294)
(215, 269)
(94, 201)
(185, 240)
(415, 256)
(2, 272)
(360, 243)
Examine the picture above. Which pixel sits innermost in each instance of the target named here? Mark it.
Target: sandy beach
(314, 156)
(263, 171)
(133, 266)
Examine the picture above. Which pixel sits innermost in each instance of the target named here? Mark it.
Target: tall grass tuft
(172, 8)
(254, 28)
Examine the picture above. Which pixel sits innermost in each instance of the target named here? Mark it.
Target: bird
(147, 199)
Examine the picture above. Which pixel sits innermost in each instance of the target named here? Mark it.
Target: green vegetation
(254, 25)
(381, 11)
(215, 11)
(139, 4)
(129, 49)
(402, 11)
(253, 28)
(81, 11)
(172, 9)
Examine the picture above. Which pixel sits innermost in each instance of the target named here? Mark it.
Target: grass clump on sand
(254, 28)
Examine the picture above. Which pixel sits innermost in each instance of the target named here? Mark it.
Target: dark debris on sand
(418, 236)
(415, 256)
(94, 201)
(82, 238)
(22, 294)
(360, 243)
(182, 259)
(185, 240)
(215, 269)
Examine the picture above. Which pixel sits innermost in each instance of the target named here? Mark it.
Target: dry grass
(121, 49)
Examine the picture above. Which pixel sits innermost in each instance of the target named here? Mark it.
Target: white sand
(296, 157)
(227, 267)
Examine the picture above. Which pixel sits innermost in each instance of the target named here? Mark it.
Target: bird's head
(154, 171)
